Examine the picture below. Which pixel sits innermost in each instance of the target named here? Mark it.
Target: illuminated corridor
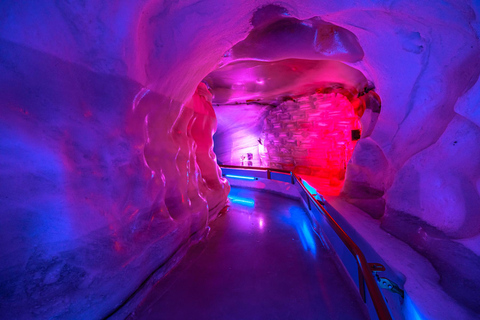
(123, 124)
(261, 260)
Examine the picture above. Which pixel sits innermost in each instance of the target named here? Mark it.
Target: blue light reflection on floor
(243, 201)
(299, 220)
(306, 237)
(294, 216)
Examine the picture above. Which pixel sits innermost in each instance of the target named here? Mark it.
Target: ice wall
(90, 92)
(103, 179)
(410, 173)
(97, 192)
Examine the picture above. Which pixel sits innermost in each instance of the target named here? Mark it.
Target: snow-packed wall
(106, 159)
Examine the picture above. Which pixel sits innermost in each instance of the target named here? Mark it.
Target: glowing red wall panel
(313, 136)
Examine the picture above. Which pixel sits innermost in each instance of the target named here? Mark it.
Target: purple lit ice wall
(107, 166)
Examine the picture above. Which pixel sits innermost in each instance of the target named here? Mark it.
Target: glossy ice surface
(261, 261)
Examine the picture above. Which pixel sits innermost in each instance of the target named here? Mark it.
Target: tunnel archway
(286, 98)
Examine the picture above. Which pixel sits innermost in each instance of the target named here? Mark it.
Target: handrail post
(361, 284)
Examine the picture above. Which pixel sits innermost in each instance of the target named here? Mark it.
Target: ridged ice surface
(102, 182)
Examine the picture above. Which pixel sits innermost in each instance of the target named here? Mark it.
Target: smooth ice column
(202, 127)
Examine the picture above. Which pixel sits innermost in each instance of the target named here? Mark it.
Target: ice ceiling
(107, 169)
(316, 132)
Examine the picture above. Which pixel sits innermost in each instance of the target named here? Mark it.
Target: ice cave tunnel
(240, 159)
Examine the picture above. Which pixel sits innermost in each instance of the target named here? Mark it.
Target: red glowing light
(314, 136)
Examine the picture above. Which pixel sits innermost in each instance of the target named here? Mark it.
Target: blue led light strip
(240, 177)
(310, 189)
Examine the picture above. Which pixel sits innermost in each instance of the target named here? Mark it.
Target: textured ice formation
(271, 39)
(102, 182)
(270, 82)
(106, 162)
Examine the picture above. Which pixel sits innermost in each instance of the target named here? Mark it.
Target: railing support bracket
(383, 282)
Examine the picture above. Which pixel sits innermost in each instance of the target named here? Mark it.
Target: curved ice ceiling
(83, 212)
(271, 82)
(284, 58)
(276, 36)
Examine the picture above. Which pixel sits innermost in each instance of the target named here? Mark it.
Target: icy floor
(261, 261)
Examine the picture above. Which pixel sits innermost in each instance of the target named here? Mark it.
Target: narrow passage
(261, 260)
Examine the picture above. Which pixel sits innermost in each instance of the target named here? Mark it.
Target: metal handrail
(255, 168)
(365, 275)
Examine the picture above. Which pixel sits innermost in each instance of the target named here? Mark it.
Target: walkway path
(261, 261)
